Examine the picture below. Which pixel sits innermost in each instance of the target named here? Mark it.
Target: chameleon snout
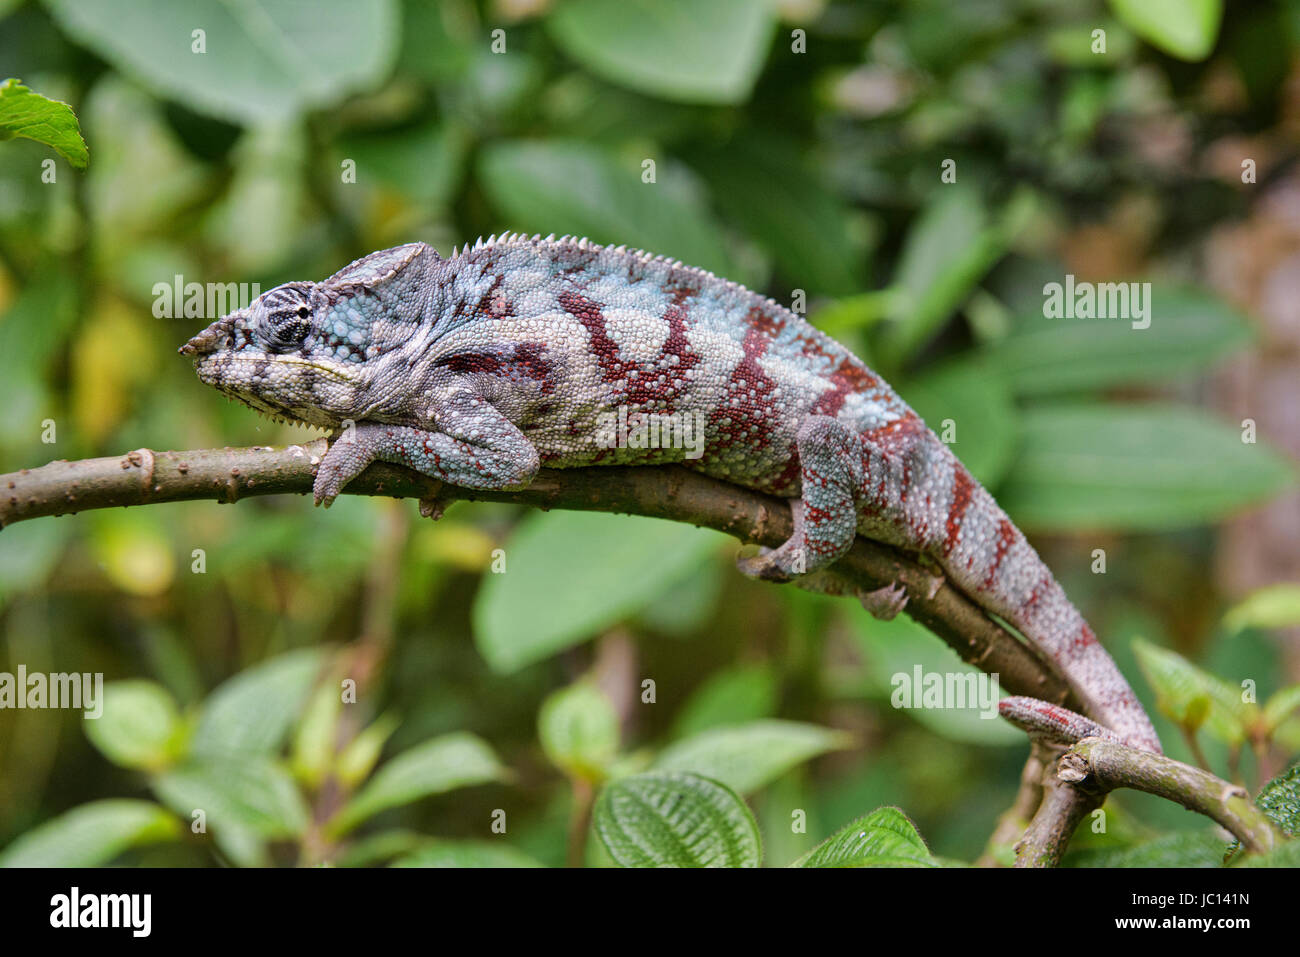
(210, 339)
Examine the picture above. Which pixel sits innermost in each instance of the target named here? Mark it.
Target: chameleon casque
(480, 368)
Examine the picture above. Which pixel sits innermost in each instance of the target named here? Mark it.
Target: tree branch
(1054, 823)
(146, 477)
(1098, 765)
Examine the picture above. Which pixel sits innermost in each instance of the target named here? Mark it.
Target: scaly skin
(479, 369)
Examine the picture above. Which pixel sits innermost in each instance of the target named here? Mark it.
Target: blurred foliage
(360, 687)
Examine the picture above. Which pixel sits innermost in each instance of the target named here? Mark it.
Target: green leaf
(1189, 329)
(570, 575)
(730, 696)
(1280, 706)
(252, 712)
(1273, 606)
(1284, 855)
(442, 853)
(745, 757)
(892, 651)
(1186, 29)
(1280, 800)
(766, 187)
(441, 764)
(91, 835)
(247, 793)
(578, 727)
(140, 726)
(359, 758)
(884, 838)
(1192, 697)
(264, 60)
(1147, 466)
(947, 251)
(695, 51)
(423, 164)
(676, 819)
(984, 420)
(1187, 849)
(30, 115)
(559, 186)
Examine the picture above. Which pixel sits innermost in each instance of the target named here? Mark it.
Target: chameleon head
(323, 352)
(290, 354)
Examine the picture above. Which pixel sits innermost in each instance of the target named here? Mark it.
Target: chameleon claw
(885, 603)
(767, 565)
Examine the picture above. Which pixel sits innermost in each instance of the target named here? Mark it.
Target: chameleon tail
(989, 558)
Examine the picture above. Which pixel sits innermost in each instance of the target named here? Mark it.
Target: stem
(584, 795)
(1016, 818)
(1195, 747)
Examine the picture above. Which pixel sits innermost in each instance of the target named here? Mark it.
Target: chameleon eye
(290, 328)
(286, 319)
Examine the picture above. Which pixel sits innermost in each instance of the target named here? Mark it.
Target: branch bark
(145, 477)
(1095, 764)
(1054, 823)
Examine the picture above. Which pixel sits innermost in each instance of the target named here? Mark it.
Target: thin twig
(1013, 821)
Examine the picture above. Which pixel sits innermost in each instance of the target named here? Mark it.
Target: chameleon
(480, 368)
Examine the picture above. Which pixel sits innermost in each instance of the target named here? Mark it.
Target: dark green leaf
(745, 757)
(264, 60)
(884, 838)
(1148, 466)
(947, 251)
(557, 186)
(984, 421)
(1189, 329)
(696, 51)
(731, 696)
(768, 190)
(1196, 849)
(572, 574)
(676, 819)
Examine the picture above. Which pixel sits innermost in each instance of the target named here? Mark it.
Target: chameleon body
(480, 368)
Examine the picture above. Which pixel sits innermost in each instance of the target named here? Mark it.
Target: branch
(1098, 765)
(1000, 849)
(145, 477)
(1056, 820)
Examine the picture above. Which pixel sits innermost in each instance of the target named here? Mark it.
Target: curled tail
(988, 558)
